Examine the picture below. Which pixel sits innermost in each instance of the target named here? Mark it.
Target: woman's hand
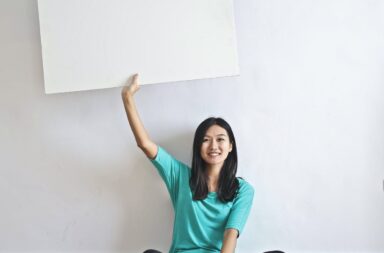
(130, 90)
(142, 138)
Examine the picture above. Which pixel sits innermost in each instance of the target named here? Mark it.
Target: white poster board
(94, 44)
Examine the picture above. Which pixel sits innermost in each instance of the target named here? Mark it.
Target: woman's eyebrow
(216, 135)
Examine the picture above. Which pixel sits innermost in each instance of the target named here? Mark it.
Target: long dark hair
(228, 184)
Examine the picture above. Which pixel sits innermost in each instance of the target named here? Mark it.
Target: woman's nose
(213, 145)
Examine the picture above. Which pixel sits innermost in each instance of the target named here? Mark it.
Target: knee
(151, 251)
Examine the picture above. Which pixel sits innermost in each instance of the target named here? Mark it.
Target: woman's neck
(213, 173)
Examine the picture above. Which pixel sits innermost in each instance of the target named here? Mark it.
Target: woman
(211, 204)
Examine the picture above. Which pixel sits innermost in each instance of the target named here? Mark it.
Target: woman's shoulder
(162, 153)
(244, 186)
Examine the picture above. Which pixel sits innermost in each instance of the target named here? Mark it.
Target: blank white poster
(94, 44)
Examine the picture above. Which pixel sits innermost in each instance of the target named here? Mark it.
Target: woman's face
(216, 146)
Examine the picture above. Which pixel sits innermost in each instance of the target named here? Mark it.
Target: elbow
(140, 145)
(143, 143)
(149, 150)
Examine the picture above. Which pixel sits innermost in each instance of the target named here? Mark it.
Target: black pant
(156, 251)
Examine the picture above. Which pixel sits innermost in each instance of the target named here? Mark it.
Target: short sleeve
(241, 207)
(169, 169)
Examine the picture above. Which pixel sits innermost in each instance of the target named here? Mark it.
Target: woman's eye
(204, 140)
(220, 139)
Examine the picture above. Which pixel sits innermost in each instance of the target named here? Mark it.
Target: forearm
(229, 241)
(142, 138)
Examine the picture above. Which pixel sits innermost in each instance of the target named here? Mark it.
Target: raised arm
(142, 139)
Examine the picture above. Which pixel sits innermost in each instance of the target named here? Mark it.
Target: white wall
(306, 110)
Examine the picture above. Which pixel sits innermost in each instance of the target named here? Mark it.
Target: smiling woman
(211, 204)
(214, 151)
(214, 162)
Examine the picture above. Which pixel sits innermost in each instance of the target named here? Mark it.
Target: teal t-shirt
(199, 225)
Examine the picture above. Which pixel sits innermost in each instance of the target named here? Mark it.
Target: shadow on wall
(147, 203)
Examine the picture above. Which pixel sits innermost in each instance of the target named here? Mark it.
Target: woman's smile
(215, 146)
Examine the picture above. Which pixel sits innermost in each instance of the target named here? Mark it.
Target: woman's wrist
(127, 97)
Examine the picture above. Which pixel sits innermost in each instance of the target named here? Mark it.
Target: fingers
(131, 86)
(135, 78)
